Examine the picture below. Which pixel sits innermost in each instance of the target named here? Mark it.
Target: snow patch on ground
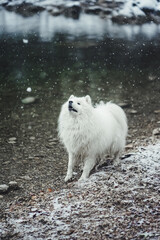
(103, 206)
(150, 4)
(134, 8)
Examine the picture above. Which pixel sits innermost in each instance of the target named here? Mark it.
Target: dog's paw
(82, 179)
(116, 162)
(68, 178)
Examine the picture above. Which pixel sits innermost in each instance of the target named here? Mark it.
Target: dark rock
(120, 19)
(154, 18)
(93, 9)
(111, 4)
(107, 11)
(73, 12)
(5, 3)
(25, 9)
(134, 4)
(147, 10)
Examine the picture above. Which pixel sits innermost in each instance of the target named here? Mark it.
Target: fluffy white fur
(89, 133)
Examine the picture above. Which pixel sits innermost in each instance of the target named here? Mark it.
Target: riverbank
(114, 203)
(119, 11)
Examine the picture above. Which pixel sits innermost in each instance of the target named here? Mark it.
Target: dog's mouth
(72, 109)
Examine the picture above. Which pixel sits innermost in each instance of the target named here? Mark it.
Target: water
(57, 57)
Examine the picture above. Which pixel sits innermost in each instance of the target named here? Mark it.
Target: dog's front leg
(71, 163)
(88, 166)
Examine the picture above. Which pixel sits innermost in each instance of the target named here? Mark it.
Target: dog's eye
(78, 103)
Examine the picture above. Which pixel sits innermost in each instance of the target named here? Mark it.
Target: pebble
(156, 131)
(152, 77)
(11, 142)
(129, 146)
(1, 196)
(3, 188)
(32, 138)
(25, 177)
(52, 140)
(33, 209)
(157, 111)
(132, 111)
(12, 139)
(28, 100)
(120, 181)
(13, 185)
(124, 105)
(52, 143)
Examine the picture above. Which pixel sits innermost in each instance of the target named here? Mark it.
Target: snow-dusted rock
(156, 131)
(4, 188)
(13, 185)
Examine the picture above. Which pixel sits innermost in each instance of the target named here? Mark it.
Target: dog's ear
(88, 99)
(72, 96)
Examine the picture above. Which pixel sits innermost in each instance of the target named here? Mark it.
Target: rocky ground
(114, 203)
(119, 11)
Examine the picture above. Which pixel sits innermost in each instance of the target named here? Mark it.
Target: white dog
(89, 133)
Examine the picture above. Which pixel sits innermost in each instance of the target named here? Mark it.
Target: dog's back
(119, 116)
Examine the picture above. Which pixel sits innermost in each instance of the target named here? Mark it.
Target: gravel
(114, 203)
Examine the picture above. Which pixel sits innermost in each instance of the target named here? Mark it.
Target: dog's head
(77, 105)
